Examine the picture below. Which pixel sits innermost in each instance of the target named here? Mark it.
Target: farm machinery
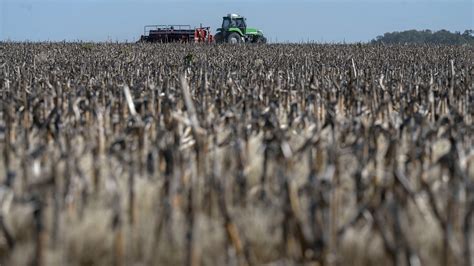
(176, 33)
(233, 30)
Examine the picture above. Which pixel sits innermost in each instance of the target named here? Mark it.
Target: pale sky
(280, 20)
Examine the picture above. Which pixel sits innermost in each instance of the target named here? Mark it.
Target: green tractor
(234, 30)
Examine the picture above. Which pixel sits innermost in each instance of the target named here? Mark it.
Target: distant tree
(468, 33)
(426, 36)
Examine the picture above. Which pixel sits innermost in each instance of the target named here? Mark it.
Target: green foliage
(188, 59)
(426, 36)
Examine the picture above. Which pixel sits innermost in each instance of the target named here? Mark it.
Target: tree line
(426, 36)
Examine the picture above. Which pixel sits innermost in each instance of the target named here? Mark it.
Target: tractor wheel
(261, 39)
(219, 37)
(234, 38)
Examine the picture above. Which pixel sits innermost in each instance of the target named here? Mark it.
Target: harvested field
(140, 154)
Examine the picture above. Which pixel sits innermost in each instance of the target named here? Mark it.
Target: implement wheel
(234, 38)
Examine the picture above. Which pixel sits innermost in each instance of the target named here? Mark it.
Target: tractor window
(226, 23)
(240, 23)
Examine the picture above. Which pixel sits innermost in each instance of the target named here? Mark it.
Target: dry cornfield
(282, 154)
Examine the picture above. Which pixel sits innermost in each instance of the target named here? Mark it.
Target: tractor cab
(234, 21)
(234, 30)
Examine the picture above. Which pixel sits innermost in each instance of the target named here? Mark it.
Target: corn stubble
(141, 154)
